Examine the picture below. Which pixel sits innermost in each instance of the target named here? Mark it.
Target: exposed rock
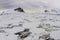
(20, 33)
(50, 39)
(9, 24)
(19, 9)
(46, 11)
(23, 34)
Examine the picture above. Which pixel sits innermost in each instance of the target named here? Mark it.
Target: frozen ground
(39, 23)
(34, 18)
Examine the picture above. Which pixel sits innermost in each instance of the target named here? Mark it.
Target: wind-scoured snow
(34, 18)
(39, 23)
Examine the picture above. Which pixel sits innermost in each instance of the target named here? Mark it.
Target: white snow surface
(32, 18)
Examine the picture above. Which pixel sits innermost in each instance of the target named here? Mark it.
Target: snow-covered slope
(39, 23)
(34, 18)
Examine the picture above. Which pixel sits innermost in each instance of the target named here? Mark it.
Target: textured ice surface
(39, 22)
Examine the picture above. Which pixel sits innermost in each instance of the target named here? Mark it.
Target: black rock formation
(46, 11)
(23, 34)
(50, 39)
(19, 9)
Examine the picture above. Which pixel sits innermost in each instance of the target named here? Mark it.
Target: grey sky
(5, 4)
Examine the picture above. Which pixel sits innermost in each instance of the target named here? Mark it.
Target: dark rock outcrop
(45, 10)
(23, 34)
(50, 39)
(19, 9)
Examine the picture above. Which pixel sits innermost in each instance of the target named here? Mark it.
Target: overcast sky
(14, 3)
